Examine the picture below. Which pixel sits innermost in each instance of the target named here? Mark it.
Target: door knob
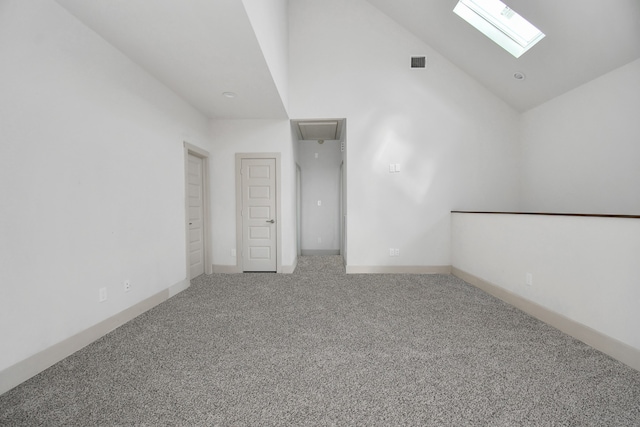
(271, 221)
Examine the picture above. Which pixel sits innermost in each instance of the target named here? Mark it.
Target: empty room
(319, 212)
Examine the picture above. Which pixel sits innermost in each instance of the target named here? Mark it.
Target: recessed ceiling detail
(325, 130)
(501, 24)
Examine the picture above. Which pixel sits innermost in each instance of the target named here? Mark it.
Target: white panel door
(259, 214)
(196, 216)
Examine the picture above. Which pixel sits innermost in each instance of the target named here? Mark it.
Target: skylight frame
(501, 24)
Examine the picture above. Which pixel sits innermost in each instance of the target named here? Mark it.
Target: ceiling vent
(418, 62)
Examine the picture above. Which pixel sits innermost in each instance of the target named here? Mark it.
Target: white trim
(178, 287)
(398, 269)
(31, 366)
(314, 252)
(226, 269)
(206, 223)
(298, 209)
(606, 344)
(239, 245)
(289, 269)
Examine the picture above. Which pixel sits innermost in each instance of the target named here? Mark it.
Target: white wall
(457, 144)
(249, 136)
(581, 150)
(320, 182)
(91, 179)
(270, 22)
(584, 268)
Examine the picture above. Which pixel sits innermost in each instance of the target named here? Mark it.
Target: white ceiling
(198, 48)
(202, 48)
(584, 39)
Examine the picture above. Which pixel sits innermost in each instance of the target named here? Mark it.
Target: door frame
(206, 211)
(239, 240)
(298, 211)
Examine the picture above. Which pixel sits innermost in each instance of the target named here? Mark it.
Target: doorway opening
(321, 186)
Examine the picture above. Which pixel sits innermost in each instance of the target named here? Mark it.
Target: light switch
(316, 155)
(397, 167)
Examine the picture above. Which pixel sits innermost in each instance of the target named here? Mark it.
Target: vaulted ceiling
(584, 39)
(201, 49)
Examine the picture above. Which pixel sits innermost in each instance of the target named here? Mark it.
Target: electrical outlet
(391, 251)
(233, 252)
(102, 294)
(396, 252)
(319, 239)
(528, 279)
(127, 285)
(392, 168)
(397, 167)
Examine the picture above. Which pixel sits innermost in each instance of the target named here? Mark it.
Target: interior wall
(270, 22)
(320, 183)
(249, 136)
(580, 151)
(584, 268)
(457, 144)
(91, 177)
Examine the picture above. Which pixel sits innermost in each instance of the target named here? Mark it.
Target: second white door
(259, 227)
(196, 216)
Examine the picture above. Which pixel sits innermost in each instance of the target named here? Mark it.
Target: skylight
(500, 23)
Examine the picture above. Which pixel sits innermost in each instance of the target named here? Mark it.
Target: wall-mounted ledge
(550, 214)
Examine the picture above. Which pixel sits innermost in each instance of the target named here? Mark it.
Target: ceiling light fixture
(229, 94)
(501, 24)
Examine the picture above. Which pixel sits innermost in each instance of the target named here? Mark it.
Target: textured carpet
(319, 347)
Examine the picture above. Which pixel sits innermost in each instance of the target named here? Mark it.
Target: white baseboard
(314, 252)
(288, 269)
(179, 287)
(617, 349)
(31, 366)
(226, 269)
(398, 269)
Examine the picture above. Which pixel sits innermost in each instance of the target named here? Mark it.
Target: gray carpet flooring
(319, 347)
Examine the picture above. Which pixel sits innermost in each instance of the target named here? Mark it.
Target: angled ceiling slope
(199, 49)
(584, 40)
